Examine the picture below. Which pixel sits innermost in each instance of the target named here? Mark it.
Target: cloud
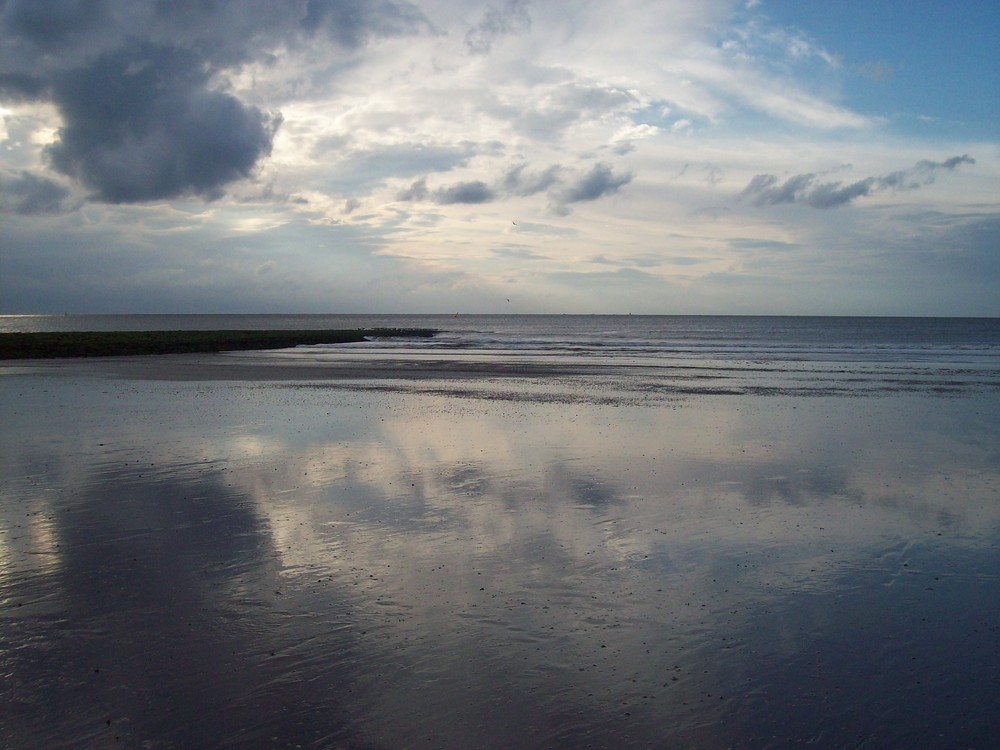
(511, 18)
(712, 174)
(767, 190)
(624, 141)
(465, 192)
(551, 110)
(265, 268)
(518, 253)
(519, 181)
(635, 261)
(755, 244)
(48, 22)
(147, 114)
(415, 192)
(474, 191)
(359, 170)
(141, 124)
(880, 72)
(378, 122)
(28, 194)
(222, 34)
(353, 22)
(601, 180)
(949, 164)
(623, 279)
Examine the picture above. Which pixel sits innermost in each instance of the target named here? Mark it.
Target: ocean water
(622, 358)
(944, 353)
(738, 336)
(531, 532)
(731, 333)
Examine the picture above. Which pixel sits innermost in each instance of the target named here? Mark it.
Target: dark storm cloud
(141, 124)
(219, 32)
(51, 22)
(28, 194)
(15, 87)
(767, 190)
(137, 82)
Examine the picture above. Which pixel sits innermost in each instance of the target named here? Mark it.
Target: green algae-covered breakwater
(51, 344)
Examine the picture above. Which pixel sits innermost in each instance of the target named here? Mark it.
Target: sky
(509, 156)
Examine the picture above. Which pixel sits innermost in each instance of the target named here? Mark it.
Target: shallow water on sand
(320, 564)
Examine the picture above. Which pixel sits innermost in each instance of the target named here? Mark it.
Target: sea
(666, 354)
(526, 531)
(729, 336)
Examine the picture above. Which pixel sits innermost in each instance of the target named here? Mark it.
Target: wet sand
(250, 552)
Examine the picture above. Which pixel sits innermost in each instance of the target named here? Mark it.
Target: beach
(331, 549)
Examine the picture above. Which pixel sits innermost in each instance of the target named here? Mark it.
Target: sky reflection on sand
(218, 564)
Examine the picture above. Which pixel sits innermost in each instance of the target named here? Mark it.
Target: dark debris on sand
(52, 344)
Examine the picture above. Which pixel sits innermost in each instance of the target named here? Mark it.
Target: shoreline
(78, 344)
(524, 379)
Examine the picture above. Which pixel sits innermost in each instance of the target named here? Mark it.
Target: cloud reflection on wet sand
(223, 564)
